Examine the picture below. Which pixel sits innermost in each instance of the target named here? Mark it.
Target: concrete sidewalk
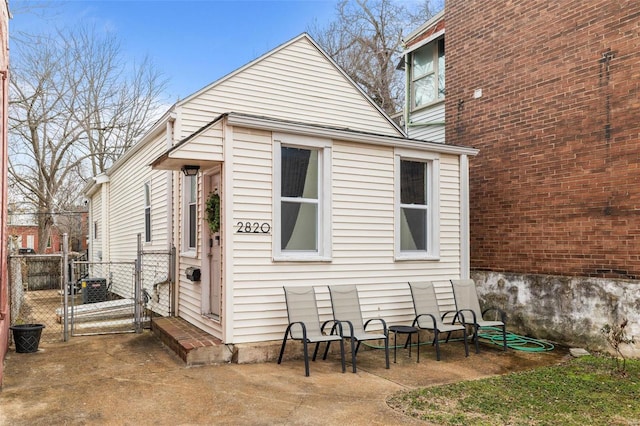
(133, 379)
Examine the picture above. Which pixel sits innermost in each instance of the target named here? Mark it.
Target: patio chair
(304, 324)
(346, 309)
(469, 312)
(428, 316)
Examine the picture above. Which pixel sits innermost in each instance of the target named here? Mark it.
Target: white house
(316, 186)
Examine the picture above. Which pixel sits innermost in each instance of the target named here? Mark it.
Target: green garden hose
(494, 336)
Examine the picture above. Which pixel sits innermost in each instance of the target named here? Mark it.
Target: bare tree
(75, 106)
(365, 39)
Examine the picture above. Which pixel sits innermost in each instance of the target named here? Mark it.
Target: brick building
(550, 94)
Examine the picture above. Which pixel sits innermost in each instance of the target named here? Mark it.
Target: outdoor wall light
(190, 170)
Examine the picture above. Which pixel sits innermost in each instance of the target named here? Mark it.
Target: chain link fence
(35, 284)
(157, 281)
(93, 297)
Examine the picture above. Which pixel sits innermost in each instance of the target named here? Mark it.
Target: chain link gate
(119, 297)
(70, 295)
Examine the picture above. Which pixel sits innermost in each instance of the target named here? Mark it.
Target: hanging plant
(212, 212)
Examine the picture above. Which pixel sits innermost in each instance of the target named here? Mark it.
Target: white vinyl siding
(95, 241)
(126, 215)
(427, 123)
(296, 83)
(362, 239)
(206, 146)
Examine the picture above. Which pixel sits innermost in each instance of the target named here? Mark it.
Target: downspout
(465, 238)
(172, 214)
(407, 92)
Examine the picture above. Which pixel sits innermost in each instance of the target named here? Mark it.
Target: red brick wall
(30, 230)
(556, 186)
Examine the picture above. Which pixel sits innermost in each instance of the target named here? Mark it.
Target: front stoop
(197, 347)
(192, 345)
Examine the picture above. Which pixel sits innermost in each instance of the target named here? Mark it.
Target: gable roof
(295, 81)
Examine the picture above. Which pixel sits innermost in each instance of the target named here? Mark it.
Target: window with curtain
(427, 74)
(299, 199)
(192, 203)
(414, 206)
(147, 212)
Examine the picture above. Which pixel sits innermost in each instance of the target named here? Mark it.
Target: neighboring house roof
(424, 31)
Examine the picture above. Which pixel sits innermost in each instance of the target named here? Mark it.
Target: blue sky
(192, 42)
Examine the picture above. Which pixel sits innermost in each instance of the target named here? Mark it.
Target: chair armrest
(448, 313)
(290, 326)
(383, 322)
(464, 320)
(337, 323)
(417, 318)
(503, 315)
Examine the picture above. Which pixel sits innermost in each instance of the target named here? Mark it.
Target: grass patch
(586, 390)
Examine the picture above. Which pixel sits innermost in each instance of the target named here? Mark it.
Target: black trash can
(26, 337)
(94, 290)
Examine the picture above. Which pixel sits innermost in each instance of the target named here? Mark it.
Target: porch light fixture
(190, 170)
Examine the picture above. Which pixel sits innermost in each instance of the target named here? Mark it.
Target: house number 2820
(253, 228)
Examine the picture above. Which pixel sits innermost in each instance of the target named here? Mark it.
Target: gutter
(345, 134)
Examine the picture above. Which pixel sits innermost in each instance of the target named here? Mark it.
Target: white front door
(212, 292)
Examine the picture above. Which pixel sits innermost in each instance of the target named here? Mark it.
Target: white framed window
(302, 201)
(147, 211)
(427, 74)
(190, 216)
(417, 206)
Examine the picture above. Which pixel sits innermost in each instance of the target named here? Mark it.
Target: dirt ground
(127, 379)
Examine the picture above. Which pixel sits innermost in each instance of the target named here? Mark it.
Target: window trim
(433, 203)
(187, 250)
(435, 72)
(323, 146)
(146, 201)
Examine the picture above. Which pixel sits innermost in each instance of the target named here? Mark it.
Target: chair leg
(353, 353)
(386, 351)
(437, 342)
(326, 350)
(466, 343)
(344, 366)
(504, 337)
(315, 351)
(306, 358)
(284, 342)
(476, 330)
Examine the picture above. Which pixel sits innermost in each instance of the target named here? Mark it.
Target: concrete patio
(128, 379)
